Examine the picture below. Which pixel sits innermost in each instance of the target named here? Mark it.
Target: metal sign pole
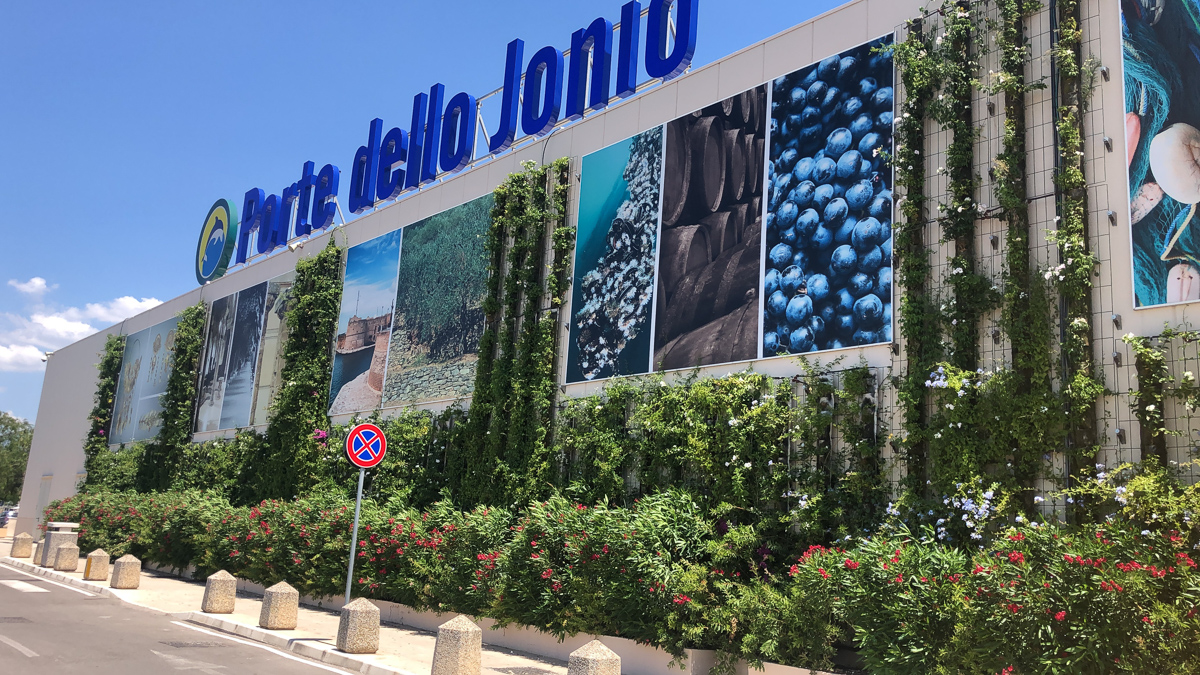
(354, 535)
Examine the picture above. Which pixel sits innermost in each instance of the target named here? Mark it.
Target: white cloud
(20, 358)
(112, 311)
(25, 339)
(37, 286)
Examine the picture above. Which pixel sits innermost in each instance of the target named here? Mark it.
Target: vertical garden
(948, 514)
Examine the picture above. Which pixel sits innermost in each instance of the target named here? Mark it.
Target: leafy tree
(15, 436)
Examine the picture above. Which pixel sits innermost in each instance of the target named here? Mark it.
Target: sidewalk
(402, 650)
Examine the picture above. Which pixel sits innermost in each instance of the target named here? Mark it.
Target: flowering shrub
(1023, 597)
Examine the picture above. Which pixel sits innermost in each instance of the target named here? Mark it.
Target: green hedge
(1037, 597)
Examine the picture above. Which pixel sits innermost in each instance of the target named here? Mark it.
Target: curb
(326, 654)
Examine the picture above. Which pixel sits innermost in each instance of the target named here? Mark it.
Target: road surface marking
(49, 581)
(180, 663)
(17, 585)
(270, 649)
(18, 646)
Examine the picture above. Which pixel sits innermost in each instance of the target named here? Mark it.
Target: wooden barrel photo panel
(754, 173)
(676, 171)
(742, 108)
(735, 155)
(751, 233)
(707, 167)
(756, 159)
(716, 289)
(719, 233)
(733, 337)
(684, 249)
(757, 100)
(738, 215)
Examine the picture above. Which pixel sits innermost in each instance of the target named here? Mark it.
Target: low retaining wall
(636, 659)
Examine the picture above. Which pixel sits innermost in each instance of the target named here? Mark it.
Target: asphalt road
(50, 629)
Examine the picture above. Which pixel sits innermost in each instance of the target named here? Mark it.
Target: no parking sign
(365, 446)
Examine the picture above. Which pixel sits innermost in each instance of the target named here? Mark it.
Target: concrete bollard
(459, 648)
(96, 567)
(594, 659)
(22, 546)
(52, 541)
(280, 605)
(126, 572)
(66, 558)
(358, 628)
(219, 593)
(37, 552)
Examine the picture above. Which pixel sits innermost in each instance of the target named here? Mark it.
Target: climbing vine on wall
(919, 318)
(1074, 275)
(158, 462)
(298, 411)
(506, 453)
(95, 445)
(958, 57)
(1156, 386)
(1026, 317)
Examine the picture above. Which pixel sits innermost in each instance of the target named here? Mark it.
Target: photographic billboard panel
(615, 248)
(438, 319)
(1162, 132)
(827, 282)
(364, 325)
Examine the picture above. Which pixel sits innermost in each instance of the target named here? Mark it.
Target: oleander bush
(996, 593)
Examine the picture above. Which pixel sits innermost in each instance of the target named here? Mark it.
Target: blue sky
(123, 123)
(370, 278)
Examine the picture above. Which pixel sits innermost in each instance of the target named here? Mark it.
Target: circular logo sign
(365, 446)
(217, 241)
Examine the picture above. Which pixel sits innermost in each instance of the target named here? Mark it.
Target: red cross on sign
(365, 446)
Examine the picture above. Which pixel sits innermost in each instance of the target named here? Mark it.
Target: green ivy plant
(1073, 278)
(160, 459)
(506, 454)
(974, 294)
(919, 317)
(292, 462)
(95, 444)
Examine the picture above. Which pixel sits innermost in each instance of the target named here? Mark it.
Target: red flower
(1060, 616)
(547, 574)
(851, 565)
(681, 599)
(794, 570)
(1016, 557)
(1014, 608)
(823, 572)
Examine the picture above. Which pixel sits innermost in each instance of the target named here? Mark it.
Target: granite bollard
(22, 546)
(459, 648)
(280, 605)
(219, 593)
(358, 628)
(594, 659)
(52, 541)
(66, 558)
(126, 572)
(96, 567)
